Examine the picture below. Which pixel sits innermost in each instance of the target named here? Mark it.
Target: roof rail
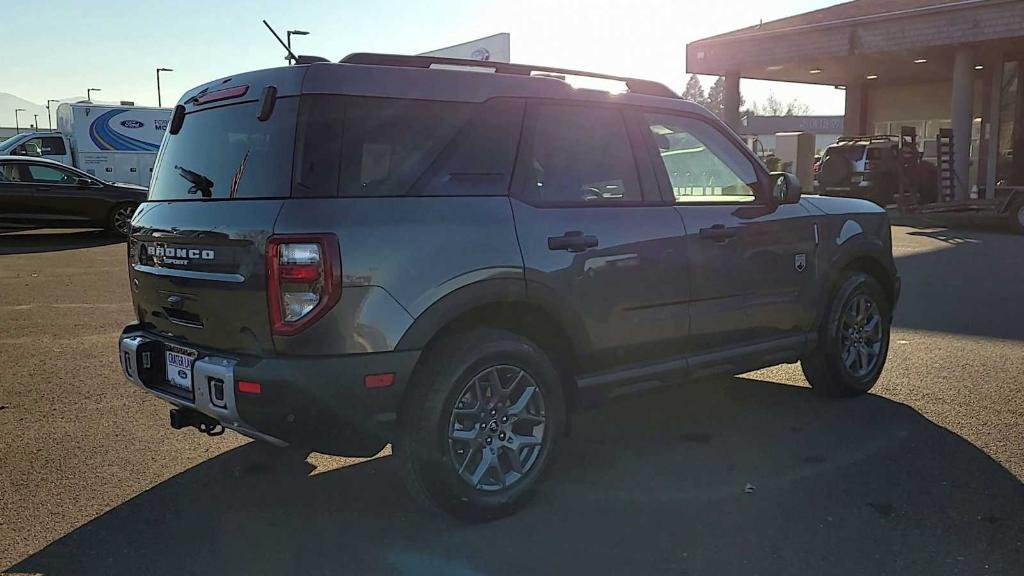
(867, 137)
(634, 85)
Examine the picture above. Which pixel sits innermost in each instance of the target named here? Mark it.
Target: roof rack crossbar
(634, 85)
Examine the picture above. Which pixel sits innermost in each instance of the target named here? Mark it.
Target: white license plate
(179, 368)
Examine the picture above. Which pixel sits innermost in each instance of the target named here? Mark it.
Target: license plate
(179, 367)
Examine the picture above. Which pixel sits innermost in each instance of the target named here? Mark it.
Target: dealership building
(930, 64)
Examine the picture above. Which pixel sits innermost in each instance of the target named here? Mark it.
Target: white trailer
(113, 143)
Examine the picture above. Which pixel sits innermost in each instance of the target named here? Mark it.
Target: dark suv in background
(338, 256)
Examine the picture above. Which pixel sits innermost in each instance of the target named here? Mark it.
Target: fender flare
(486, 292)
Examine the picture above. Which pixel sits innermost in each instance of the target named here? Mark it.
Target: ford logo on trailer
(132, 124)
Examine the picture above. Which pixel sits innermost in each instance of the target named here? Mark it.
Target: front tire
(853, 339)
(481, 424)
(120, 219)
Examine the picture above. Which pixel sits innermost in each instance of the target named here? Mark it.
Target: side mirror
(785, 188)
(83, 182)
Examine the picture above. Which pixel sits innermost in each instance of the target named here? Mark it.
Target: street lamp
(288, 36)
(48, 120)
(17, 128)
(89, 91)
(159, 101)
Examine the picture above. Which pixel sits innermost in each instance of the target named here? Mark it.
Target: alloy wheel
(860, 335)
(123, 219)
(496, 430)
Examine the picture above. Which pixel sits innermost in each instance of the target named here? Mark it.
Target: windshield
(227, 152)
(9, 143)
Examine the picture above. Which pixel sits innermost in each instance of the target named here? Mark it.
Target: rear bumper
(315, 402)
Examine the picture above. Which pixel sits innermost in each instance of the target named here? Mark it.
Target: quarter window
(580, 156)
(702, 165)
(354, 146)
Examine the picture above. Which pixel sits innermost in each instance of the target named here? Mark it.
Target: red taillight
(249, 387)
(379, 380)
(816, 167)
(303, 280)
(299, 272)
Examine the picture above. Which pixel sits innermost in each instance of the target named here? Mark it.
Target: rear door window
(579, 156)
(53, 146)
(50, 175)
(352, 146)
(226, 152)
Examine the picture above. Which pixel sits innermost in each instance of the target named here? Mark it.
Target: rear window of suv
(226, 152)
(852, 153)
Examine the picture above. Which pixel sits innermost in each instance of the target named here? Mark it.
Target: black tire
(827, 367)
(1016, 214)
(451, 371)
(115, 222)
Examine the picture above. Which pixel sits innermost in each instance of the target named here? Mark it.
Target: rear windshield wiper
(199, 183)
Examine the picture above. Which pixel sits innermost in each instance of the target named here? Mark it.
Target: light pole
(159, 101)
(17, 128)
(35, 117)
(48, 120)
(288, 37)
(88, 93)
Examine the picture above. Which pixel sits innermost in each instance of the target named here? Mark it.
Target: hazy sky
(116, 45)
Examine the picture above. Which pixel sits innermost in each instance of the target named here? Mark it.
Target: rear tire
(1017, 216)
(853, 339)
(481, 424)
(120, 218)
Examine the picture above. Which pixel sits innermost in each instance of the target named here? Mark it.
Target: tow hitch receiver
(185, 418)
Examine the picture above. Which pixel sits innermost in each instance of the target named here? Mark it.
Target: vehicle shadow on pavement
(971, 285)
(34, 242)
(725, 476)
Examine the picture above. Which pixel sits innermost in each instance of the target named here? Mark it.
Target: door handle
(42, 188)
(717, 233)
(573, 241)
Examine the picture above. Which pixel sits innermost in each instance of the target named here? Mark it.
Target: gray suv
(868, 167)
(339, 256)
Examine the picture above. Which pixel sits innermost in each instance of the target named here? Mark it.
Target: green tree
(772, 106)
(715, 96)
(694, 92)
(715, 102)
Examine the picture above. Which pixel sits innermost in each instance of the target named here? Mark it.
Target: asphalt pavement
(740, 475)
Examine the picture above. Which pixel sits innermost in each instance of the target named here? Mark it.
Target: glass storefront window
(1010, 165)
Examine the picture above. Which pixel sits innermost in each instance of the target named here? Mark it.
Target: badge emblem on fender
(800, 261)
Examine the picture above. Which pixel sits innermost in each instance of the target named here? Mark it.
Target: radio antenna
(291, 54)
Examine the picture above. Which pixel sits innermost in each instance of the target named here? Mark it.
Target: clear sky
(116, 45)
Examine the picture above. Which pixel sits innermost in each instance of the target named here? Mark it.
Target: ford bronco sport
(339, 256)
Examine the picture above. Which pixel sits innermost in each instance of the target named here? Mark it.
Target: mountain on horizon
(9, 103)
